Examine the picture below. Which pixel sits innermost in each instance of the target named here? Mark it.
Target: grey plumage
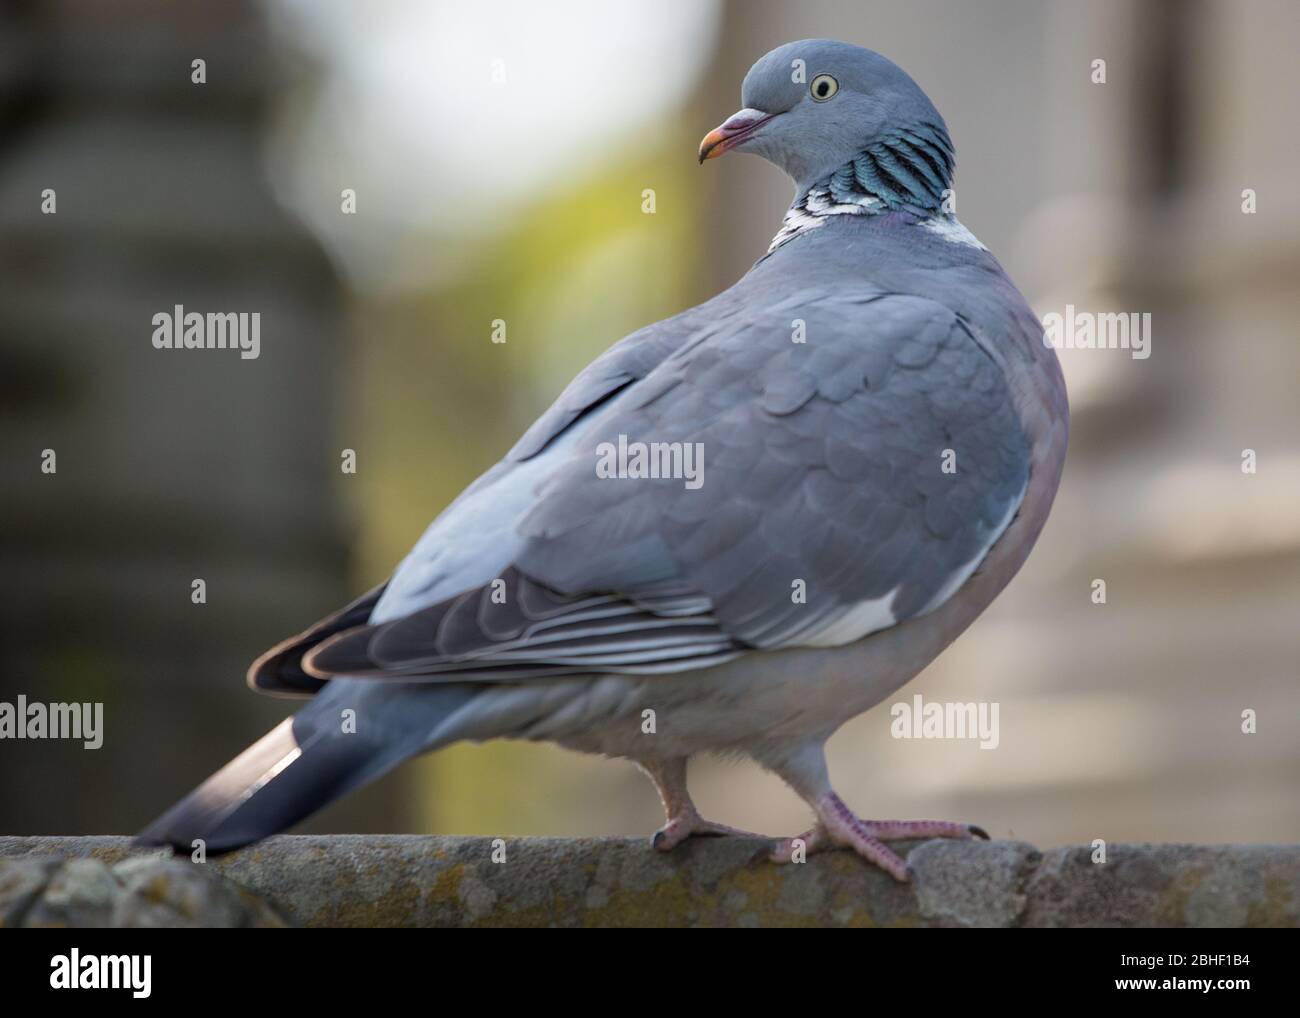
(549, 602)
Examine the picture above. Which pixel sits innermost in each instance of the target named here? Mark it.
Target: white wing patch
(861, 620)
(875, 614)
(954, 582)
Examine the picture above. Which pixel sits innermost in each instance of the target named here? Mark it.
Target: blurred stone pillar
(172, 465)
(1201, 558)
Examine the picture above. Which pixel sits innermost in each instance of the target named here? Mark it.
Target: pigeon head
(814, 108)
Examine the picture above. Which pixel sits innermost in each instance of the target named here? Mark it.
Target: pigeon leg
(684, 820)
(838, 827)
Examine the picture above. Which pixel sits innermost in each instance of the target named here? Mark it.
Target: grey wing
(628, 361)
(515, 628)
(849, 482)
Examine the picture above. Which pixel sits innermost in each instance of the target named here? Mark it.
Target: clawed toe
(796, 849)
(670, 835)
(921, 830)
(838, 827)
(684, 821)
(679, 828)
(660, 840)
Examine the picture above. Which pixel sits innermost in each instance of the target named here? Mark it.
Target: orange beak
(736, 130)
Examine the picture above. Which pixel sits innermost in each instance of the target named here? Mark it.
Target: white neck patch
(810, 211)
(951, 230)
(813, 209)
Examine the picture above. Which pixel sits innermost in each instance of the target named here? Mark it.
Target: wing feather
(827, 509)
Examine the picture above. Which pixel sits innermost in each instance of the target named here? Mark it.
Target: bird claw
(821, 838)
(838, 827)
(692, 825)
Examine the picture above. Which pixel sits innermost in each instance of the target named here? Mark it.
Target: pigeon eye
(823, 87)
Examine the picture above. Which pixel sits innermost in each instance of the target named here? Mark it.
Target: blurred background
(498, 153)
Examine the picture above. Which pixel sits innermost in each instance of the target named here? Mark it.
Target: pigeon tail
(302, 765)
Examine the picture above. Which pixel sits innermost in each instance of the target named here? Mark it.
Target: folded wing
(860, 454)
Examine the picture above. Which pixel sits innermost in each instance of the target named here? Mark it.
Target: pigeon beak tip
(711, 147)
(737, 129)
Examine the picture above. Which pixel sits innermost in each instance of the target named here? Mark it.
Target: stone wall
(408, 880)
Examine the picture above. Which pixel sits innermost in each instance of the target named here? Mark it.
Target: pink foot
(692, 825)
(838, 827)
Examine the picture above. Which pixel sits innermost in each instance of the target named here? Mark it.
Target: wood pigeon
(749, 522)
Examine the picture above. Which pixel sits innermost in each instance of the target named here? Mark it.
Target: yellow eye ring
(823, 87)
